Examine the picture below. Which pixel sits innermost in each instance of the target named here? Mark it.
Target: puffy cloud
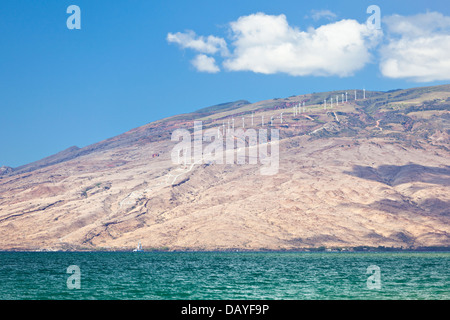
(423, 24)
(204, 63)
(417, 48)
(268, 44)
(191, 40)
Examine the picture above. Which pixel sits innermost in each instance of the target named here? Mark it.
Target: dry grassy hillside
(371, 172)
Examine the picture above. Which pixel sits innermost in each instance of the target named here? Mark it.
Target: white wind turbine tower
(355, 95)
(262, 120)
(337, 100)
(364, 93)
(304, 107)
(331, 102)
(342, 99)
(281, 118)
(345, 96)
(232, 120)
(243, 122)
(325, 104)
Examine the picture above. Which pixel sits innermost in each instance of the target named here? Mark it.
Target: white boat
(139, 248)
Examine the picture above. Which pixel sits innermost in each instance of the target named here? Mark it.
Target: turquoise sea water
(219, 275)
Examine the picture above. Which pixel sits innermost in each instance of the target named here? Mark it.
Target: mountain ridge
(367, 172)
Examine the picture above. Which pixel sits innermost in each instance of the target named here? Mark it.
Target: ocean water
(219, 275)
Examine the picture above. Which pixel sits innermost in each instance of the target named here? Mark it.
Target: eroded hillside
(370, 172)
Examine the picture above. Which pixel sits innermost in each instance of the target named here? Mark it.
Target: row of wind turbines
(342, 99)
(297, 109)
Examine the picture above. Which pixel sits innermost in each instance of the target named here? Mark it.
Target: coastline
(358, 249)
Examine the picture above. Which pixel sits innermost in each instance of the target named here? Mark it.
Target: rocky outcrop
(4, 170)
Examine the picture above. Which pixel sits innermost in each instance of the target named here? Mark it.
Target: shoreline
(359, 249)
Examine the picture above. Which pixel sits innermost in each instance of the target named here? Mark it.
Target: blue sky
(61, 87)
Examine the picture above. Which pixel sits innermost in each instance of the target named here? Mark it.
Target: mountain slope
(370, 172)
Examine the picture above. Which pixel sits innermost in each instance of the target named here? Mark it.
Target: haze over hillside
(366, 172)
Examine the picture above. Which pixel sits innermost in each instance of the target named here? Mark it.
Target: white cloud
(204, 63)
(319, 14)
(423, 24)
(268, 44)
(417, 48)
(191, 40)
